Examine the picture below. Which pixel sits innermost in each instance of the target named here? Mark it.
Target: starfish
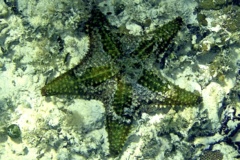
(124, 76)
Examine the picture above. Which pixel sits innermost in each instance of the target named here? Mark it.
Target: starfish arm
(162, 37)
(98, 24)
(109, 46)
(95, 75)
(72, 84)
(173, 94)
(118, 132)
(64, 84)
(165, 34)
(145, 49)
(97, 21)
(122, 97)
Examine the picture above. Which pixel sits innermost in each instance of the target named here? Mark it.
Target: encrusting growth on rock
(209, 155)
(112, 67)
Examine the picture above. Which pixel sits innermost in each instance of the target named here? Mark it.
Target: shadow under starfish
(115, 76)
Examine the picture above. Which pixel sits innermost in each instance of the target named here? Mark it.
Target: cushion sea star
(124, 79)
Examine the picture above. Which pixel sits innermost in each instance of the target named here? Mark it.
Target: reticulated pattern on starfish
(173, 94)
(122, 98)
(118, 132)
(107, 65)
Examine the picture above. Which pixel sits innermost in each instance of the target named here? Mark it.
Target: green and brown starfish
(124, 79)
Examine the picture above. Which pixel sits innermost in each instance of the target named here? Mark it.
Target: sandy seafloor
(205, 57)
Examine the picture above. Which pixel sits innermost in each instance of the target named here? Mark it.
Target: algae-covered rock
(215, 5)
(232, 24)
(202, 19)
(209, 155)
(14, 131)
